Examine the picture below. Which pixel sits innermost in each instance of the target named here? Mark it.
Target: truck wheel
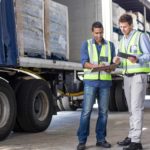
(120, 97)
(148, 89)
(7, 109)
(15, 84)
(60, 106)
(67, 105)
(112, 101)
(64, 104)
(34, 99)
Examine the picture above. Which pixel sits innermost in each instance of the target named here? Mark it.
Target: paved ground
(61, 134)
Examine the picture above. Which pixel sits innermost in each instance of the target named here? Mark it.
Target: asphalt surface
(61, 134)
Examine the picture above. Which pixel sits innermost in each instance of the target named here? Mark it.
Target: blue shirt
(85, 58)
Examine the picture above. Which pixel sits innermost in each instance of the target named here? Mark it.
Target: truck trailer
(31, 74)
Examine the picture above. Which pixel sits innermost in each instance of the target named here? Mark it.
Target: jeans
(90, 95)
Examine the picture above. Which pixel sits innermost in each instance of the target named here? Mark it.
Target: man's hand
(113, 67)
(89, 65)
(116, 60)
(133, 59)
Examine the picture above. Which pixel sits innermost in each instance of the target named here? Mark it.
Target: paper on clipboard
(124, 55)
(104, 68)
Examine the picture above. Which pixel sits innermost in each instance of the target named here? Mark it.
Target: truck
(32, 76)
(38, 77)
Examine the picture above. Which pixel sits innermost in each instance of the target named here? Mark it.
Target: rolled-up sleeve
(84, 53)
(145, 47)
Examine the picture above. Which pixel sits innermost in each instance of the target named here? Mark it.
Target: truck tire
(60, 106)
(67, 105)
(34, 101)
(120, 97)
(148, 89)
(15, 84)
(64, 104)
(112, 101)
(7, 109)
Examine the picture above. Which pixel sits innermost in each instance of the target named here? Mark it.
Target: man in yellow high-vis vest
(135, 69)
(95, 52)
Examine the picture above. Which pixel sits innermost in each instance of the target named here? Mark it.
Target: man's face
(125, 28)
(98, 34)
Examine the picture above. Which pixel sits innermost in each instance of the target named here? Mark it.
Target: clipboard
(104, 68)
(124, 55)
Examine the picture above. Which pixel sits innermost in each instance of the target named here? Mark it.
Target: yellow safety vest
(133, 49)
(105, 57)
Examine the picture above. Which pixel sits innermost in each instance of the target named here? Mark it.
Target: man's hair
(126, 18)
(97, 24)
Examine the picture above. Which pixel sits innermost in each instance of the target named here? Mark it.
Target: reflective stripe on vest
(95, 59)
(133, 49)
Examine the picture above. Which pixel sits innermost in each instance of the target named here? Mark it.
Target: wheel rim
(41, 105)
(4, 109)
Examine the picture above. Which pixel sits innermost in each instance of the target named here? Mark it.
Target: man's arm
(145, 47)
(85, 56)
(89, 65)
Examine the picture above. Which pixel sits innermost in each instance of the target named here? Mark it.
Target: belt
(133, 74)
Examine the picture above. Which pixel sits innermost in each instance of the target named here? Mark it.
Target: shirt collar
(94, 42)
(130, 34)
